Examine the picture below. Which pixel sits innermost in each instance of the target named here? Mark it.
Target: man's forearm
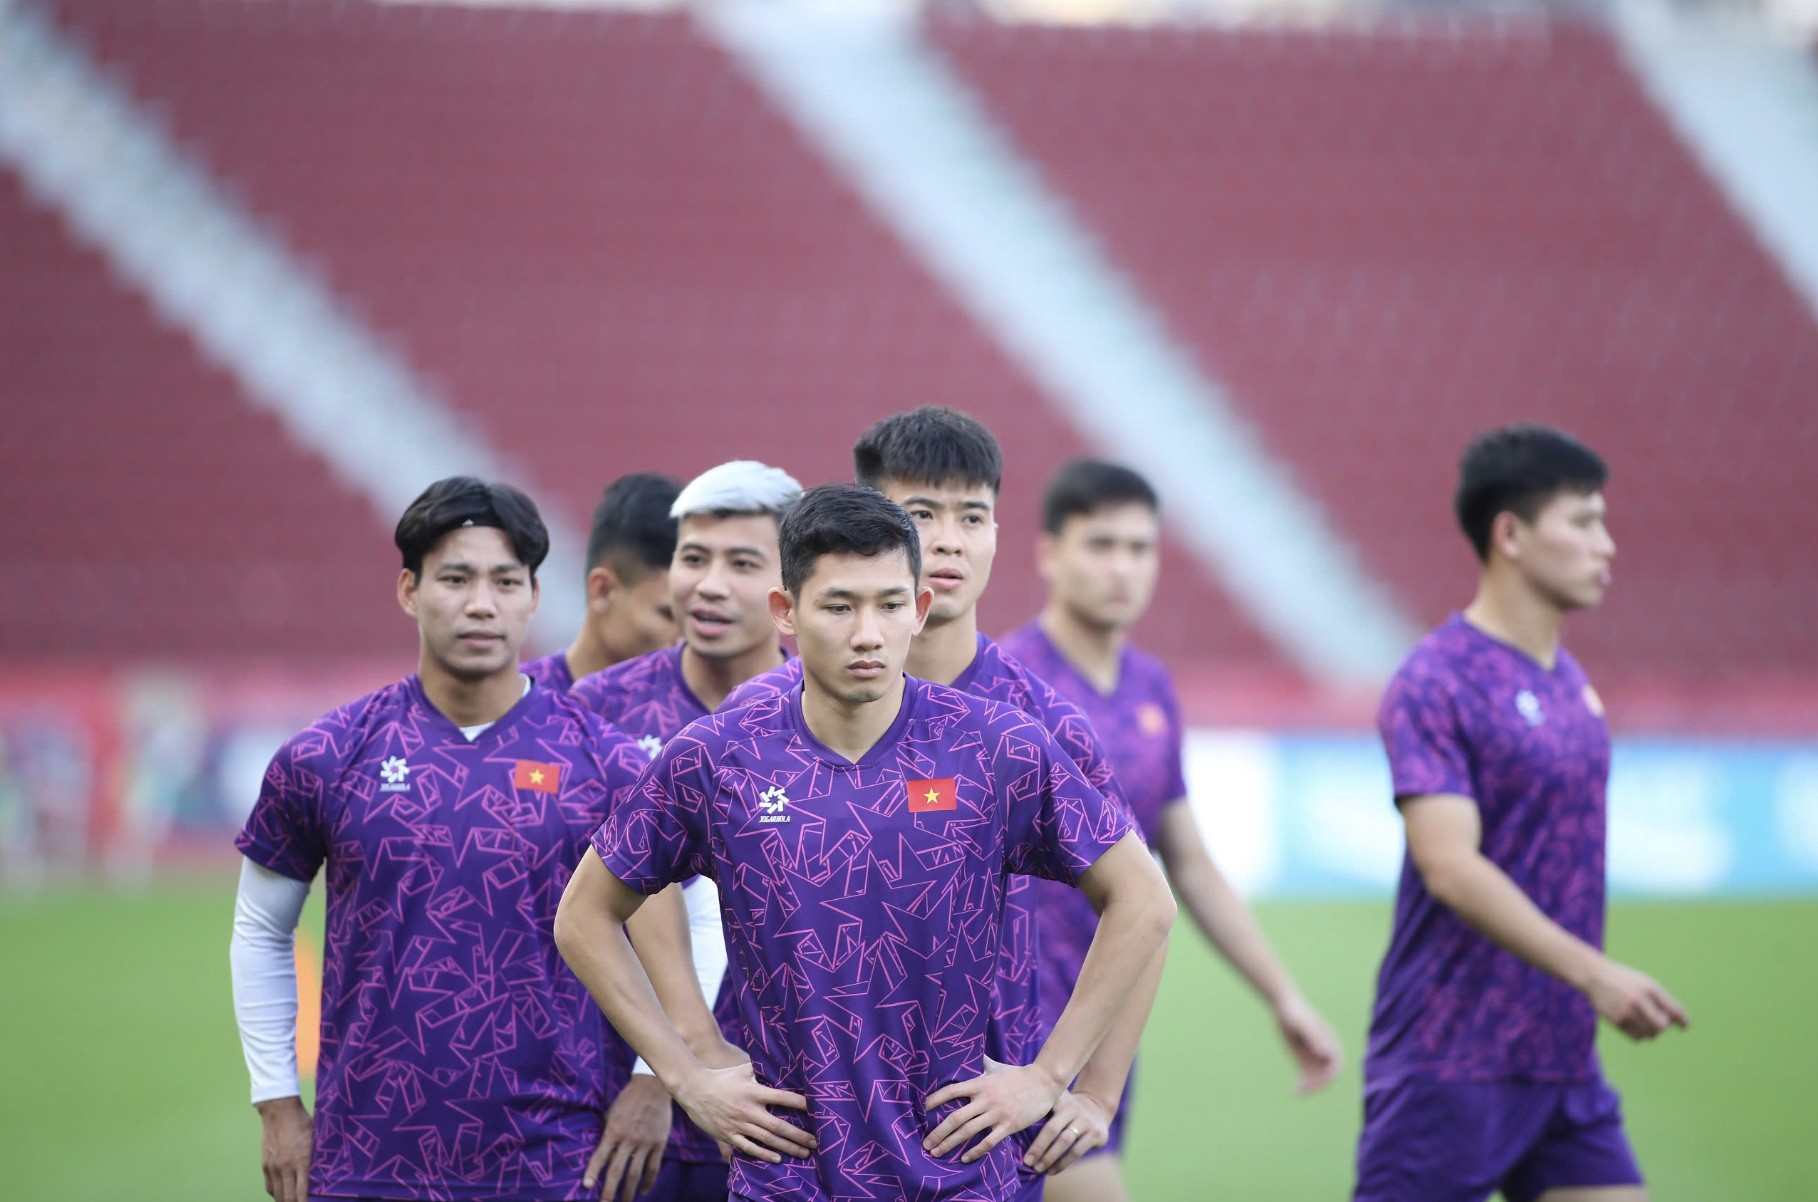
(1131, 929)
(659, 935)
(1484, 896)
(1108, 1068)
(1227, 922)
(597, 951)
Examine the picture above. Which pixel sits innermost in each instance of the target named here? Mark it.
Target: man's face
(854, 623)
(1102, 565)
(638, 618)
(720, 582)
(1566, 551)
(473, 602)
(958, 525)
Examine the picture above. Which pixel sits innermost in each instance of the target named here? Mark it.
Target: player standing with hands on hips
(862, 827)
(1482, 1071)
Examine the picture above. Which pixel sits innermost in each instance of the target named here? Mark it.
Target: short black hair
(1519, 469)
(1081, 486)
(464, 501)
(632, 526)
(843, 519)
(929, 445)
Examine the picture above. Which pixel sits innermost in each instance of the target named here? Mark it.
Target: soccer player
(725, 565)
(1482, 1070)
(628, 610)
(945, 468)
(862, 827)
(1098, 554)
(459, 1058)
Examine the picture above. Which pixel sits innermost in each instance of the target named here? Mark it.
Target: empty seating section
(598, 243)
(1384, 242)
(590, 234)
(151, 512)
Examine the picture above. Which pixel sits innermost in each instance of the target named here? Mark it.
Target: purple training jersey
(648, 700)
(459, 1056)
(1139, 724)
(551, 671)
(864, 906)
(1475, 717)
(1022, 1014)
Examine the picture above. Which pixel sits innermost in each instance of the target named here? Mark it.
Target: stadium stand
(1385, 241)
(155, 515)
(597, 242)
(602, 247)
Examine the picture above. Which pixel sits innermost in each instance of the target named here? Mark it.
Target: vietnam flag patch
(544, 778)
(928, 795)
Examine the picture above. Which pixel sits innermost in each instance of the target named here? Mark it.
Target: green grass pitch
(123, 1078)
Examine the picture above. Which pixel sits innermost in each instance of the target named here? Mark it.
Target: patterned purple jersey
(551, 671)
(459, 1056)
(1469, 715)
(1139, 723)
(864, 906)
(648, 700)
(645, 697)
(1023, 1014)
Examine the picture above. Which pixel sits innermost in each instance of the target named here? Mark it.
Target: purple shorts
(1432, 1141)
(684, 1181)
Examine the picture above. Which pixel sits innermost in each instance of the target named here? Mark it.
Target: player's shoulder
(765, 685)
(943, 711)
(611, 687)
(549, 671)
(1026, 642)
(561, 719)
(343, 732)
(1443, 656)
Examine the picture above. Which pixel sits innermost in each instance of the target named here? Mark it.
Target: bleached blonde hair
(743, 486)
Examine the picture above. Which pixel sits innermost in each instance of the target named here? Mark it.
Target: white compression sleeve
(707, 938)
(263, 956)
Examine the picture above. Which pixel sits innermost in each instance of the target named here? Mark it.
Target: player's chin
(477, 661)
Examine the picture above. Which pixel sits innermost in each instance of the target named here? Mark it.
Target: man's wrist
(1052, 1076)
(270, 1108)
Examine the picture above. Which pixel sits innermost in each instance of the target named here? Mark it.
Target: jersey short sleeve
(1059, 822)
(656, 833)
(287, 831)
(1421, 732)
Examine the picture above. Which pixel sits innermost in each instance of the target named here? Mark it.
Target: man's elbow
(570, 924)
(1151, 911)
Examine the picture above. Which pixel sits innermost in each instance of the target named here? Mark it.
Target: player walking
(459, 1058)
(862, 827)
(1098, 554)
(1482, 1070)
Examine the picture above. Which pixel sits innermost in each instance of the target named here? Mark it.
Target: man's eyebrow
(849, 594)
(697, 545)
(934, 503)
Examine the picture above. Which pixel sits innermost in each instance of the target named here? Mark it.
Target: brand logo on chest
(650, 745)
(773, 804)
(1528, 706)
(396, 775)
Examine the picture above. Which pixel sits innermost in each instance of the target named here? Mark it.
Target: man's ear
(782, 612)
(602, 586)
(1044, 557)
(407, 592)
(1505, 534)
(924, 600)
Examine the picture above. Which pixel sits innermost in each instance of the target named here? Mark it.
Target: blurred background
(267, 269)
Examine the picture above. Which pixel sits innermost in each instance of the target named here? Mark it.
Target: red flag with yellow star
(926, 795)
(544, 778)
